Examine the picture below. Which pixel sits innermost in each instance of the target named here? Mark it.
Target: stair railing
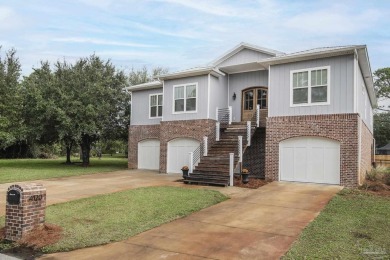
(224, 115)
(217, 131)
(231, 168)
(248, 133)
(194, 157)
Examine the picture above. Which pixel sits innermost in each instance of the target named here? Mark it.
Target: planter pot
(185, 174)
(245, 177)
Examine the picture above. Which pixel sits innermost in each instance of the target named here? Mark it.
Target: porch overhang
(244, 67)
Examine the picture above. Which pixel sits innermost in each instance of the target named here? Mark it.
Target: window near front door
(310, 87)
(262, 98)
(156, 104)
(248, 100)
(185, 98)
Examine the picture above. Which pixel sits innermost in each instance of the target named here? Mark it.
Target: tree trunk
(85, 149)
(68, 151)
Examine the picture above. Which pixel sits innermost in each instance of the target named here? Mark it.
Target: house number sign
(35, 198)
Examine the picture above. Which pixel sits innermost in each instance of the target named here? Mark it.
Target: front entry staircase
(213, 169)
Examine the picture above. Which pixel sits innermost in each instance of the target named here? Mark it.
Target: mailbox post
(25, 209)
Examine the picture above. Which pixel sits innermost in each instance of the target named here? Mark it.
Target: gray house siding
(218, 94)
(201, 101)
(244, 56)
(140, 107)
(363, 103)
(240, 81)
(341, 87)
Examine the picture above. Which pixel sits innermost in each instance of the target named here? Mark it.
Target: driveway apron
(253, 224)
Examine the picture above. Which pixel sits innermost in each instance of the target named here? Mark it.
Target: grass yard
(354, 225)
(113, 217)
(12, 170)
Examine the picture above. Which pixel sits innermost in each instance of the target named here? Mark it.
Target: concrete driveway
(70, 188)
(253, 224)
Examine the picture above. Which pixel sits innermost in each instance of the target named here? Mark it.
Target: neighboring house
(314, 109)
(384, 150)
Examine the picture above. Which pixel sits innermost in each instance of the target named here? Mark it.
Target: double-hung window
(185, 98)
(156, 105)
(310, 87)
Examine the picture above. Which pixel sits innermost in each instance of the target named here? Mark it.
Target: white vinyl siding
(310, 86)
(155, 105)
(341, 94)
(185, 98)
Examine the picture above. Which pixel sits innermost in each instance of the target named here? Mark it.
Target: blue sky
(180, 34)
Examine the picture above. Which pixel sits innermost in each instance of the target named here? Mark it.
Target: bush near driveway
(354, 225)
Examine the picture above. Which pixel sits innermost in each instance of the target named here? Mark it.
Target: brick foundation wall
(28, 214)
(170, 130)
(138, 133)
(366, 150)
(165, 132)
(341, 127)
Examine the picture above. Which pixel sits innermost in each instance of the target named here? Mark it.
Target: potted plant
(184, 169)
(245, 176)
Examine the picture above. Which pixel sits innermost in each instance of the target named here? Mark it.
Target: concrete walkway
(253, 224)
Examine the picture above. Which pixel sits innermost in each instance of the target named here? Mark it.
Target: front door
(252, 97)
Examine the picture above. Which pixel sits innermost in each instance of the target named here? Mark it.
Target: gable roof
(147, 85)
(385, 148)
(240, 47)
(192, 72)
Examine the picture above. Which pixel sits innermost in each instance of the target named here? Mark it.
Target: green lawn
(354, 225)
(113, 217)
(12, 170)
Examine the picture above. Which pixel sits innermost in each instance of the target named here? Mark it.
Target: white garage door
(149, 154)
(178, 150)
(310, 159)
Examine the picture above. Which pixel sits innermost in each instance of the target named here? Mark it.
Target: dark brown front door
(252, 97)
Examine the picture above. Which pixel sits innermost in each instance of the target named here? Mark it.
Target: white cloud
(101, 42)
(8, 19)
(335, 20)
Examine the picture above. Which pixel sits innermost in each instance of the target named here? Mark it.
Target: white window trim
(185, 98)
(309, 104)
(150, 108)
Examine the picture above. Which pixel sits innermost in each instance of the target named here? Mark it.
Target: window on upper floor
(156, 105)
(310, 86)
(185, 98)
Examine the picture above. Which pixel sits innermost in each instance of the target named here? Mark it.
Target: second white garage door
(149, 154)
(178, 150)
(310, 159)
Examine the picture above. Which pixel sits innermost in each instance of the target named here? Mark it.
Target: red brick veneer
(165, 132)
(366, 149)
(341, 127)
(28, 214)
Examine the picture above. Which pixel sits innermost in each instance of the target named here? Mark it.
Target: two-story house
(304, 116)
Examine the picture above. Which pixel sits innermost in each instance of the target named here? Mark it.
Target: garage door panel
(288, 153)
(316, 164)
(149, 154)
(300, 168)
(310, 159)
(333, 155)
(178, 153)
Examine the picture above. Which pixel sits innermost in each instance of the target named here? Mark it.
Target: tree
(144, 75)
(76, 104)
(382, 86)
(11, 123)
(382, 117)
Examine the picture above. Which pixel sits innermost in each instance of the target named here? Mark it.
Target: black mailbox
(13, 197)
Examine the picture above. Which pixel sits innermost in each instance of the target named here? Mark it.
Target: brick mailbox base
(25, 209)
